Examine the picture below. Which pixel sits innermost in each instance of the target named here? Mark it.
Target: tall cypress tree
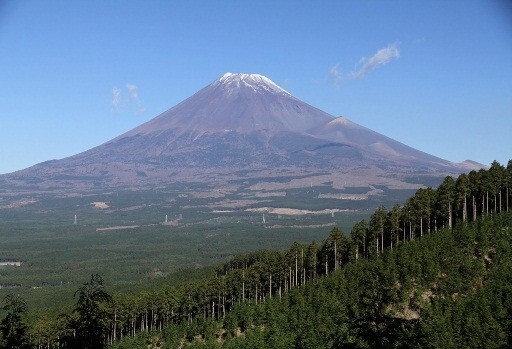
(359, 235)
(89, 323)
(462, 192)
(393, 224)
(445, 198)
(13, 328)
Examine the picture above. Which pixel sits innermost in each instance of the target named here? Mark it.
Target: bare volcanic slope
(240, 126)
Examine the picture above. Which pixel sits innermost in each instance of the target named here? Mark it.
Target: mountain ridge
(236, 102)
(239, 123)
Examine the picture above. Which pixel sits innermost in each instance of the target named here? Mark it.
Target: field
(142, 239)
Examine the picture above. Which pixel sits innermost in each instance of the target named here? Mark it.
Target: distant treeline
(435, 272)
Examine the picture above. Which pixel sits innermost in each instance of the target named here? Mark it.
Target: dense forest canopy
(435, 272)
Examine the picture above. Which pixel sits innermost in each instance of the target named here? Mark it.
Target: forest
(435, 272)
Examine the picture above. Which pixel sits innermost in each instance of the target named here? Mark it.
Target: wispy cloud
(131, 101)
(116, 99)
(335, 74)
(366, 65)
(133, 96)
(381, 57)
(132, 92)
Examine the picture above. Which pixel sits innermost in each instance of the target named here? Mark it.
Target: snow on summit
(239, 126)
(256, 82)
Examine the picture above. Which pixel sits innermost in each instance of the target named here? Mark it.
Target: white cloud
(133, 96)
(132, 92)
(335, 74)
(116, 99)
(132, 101)
(381, 57)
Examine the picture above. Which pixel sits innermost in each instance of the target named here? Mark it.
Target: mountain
(240, 127)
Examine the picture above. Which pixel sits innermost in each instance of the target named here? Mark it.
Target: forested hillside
(435, 272)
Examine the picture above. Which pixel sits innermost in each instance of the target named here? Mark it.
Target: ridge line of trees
(456, 201)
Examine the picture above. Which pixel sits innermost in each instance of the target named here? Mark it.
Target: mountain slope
(241, 125)
(237, 102)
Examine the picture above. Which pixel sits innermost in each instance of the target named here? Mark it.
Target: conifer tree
(359, 238)
(376, 227)
(445, 197)
(498, 175)
(463, 190)
(393, 224)
(89, 323)
(13, 327)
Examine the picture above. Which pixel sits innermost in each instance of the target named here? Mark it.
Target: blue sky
(435, 75)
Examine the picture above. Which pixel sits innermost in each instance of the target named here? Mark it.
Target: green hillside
(452, 289)
(435, 272)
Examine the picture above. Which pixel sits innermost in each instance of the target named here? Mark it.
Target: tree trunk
(303, 277)
(270, 287)
(464, 210)
(296, 268)
(487, 203)
(450, 215)
(381, 235)
(474, 209)
(115, 325)
(335, 257)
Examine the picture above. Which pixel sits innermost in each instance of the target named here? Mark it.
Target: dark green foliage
(13, 327)
(87, 326)
(433, 273)
(402, 281)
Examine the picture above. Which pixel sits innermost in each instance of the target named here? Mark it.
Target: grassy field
(122, 235)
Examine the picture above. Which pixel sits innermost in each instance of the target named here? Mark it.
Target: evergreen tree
(89, 320)
(335, 250)
(359, 236)
(422, 207)
(462, 188)
(376, 228)
(13, 327)
(474, 187)
(485, 188)
(498, 175)
(311, 261)
(393, 225)
(445, 198)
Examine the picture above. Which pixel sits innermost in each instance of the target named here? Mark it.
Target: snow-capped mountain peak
(256, 82)
(238, 129)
